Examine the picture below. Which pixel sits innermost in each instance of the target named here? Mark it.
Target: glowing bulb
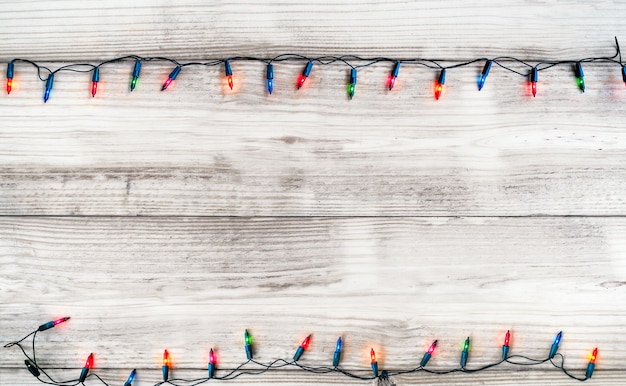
(9, 77)
(306, 72)
(394, 74)
(171, 77)
(483, 75)
(53, 323)
(131, 378)
(135, 76)
(374, 363)
(592, 363)
(248, 344)
(212, 361)
(534, 76)
(167, 363)
(555, 345)
(352, 84)
(505, 346)
(303, 346)
(49, 83)
(428, 354)
(337, 354)
(580, 76)
(95, 78)
(229, 73)
(465, 352)
(270, 78)
(440, 82)
(86, 368)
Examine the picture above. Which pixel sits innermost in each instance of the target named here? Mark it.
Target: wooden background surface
(176, 219)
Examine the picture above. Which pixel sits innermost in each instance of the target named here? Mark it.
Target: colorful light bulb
(534, 76)
(9, 77)
(337, 354)
(352, 84)
(53, 323)
(394, 74)
(248, 344)
(135, 76)
(49, 82)
(303, 346)
(229, 73)
(86, 368)
(305, 74)
(167, 363)
(95, 78)
(440, 82)
(580, 76)
(505, 346)
(270, 78)
(428, 354)
(465, 352)
(592, 363)
(555, 345)
(32, 367)
(374, 363)
(172, 76)
(131, 378)
(483, 75)
(212, 362)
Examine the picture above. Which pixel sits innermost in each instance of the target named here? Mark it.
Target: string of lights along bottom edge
(212, 374)
(353, 62)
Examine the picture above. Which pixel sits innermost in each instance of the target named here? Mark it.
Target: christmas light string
(554, 357)
(348, 60)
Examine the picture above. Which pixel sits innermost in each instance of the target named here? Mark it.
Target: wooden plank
(73, 29)
(197, 149)
(135, 286)
(20, 377)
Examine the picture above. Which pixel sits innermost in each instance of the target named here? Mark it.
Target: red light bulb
(89, 362)
(440, 82)
(507, 337)
(592, 357)
(373, 355)
(306, 342)
(167, 361)
(9, 85)
(212, 358)
(431, 349)
(229, 73)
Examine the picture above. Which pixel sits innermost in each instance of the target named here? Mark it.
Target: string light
(229, 73)
(167, 363)
(94, 81)
(534, 76)
(440, 82)
(135, 76)
(49, 82)
(518, 360)
(10, 67)
(337, 354)
(428, 354)
(248, 344)
(86, 368)
(555, 345)
(49, 325)
(374, 363)
(592, 363)
(212, 362)
(483, 75)
(352, 84)
(131, 378)
(394, 74)
(348, 60)
(580, 76)
(270, 78)
(505, 346)
(307, 71)
(171, 77)
(465, 352)
(304, 346)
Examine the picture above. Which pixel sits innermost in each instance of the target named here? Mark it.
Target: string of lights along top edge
(554, 357)
(353, 62)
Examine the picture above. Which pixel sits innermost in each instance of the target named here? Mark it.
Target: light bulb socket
(396, 70)
(166, 372)
(590, 368)
(83, 375)
(96, 75)
(270, 71)
(298, 353)
(46, 326)
(534, 75)
(425, 359)
(553, 350)
(353, 76)
(211, 369)
(336, 358)
(486, 68)
(307, 68)
(578, 70)
(505, 352)
(227, 70)
(175, 72)
(463, 359)
(624, 73)
(375, 369)
(137, 69)
(248, 351)
(10, 70)
(442, 77)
